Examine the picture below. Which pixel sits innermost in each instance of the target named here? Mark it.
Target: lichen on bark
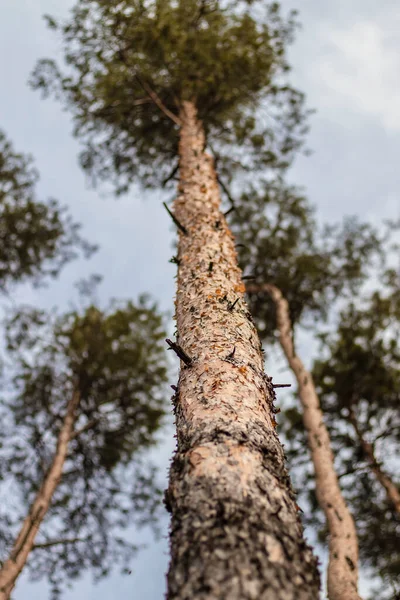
(235, 530)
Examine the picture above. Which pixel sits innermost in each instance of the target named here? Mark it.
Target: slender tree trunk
(235, 531)
(343, 543)
(24, 543)
(392, 491)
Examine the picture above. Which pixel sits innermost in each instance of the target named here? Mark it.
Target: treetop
(281, 243)
(227, 57)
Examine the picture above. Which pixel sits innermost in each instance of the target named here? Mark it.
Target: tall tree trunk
(235, 529)
(392, 491)
(343, 543)
(24, 543)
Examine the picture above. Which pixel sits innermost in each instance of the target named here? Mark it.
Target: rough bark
(343, 544)
(392, 491)
(24, 543)
(235, 531)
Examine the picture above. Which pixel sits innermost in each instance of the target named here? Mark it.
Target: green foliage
(36, 238)
(116, 359)
(363, 368)
(227, 58)
(283, 245)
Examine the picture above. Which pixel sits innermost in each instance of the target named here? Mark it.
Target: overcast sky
(347, 61)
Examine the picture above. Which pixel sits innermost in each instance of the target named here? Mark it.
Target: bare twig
(56, 543)
(232, 354)
(141, 101)
(228, 212)
(223, 185)
(175, 220)
(179, 352)
(171, 175)
(232, 306)
(226, 191)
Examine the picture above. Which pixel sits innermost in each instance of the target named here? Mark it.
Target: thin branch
(179, 352)
(171, 175)
(158, 102)
(383, 434)
(231, 354)
(232, 305)
(248, 277)
(226, 191)
(56, 543)
(86, 427)
(141, 101)
(175, 220)
(353, 471)
(228, 212)
(222, 184)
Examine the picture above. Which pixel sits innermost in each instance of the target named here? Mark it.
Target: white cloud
(361, 70)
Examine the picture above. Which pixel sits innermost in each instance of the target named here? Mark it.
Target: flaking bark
(235, 531)
(392, 491)
(24, 543)
(343, 542)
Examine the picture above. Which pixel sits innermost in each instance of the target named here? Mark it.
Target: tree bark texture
(343, 542)
(235, 530)
(24, 543)
(392, 491)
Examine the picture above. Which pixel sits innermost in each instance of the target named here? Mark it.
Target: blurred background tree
(326, 274)
(359, 385)
(36, 238)
(281, 242)
(105, 370)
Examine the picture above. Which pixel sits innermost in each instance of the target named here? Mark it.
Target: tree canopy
(36, 238)
(115, 359)
(129, 66)
(281, 243)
